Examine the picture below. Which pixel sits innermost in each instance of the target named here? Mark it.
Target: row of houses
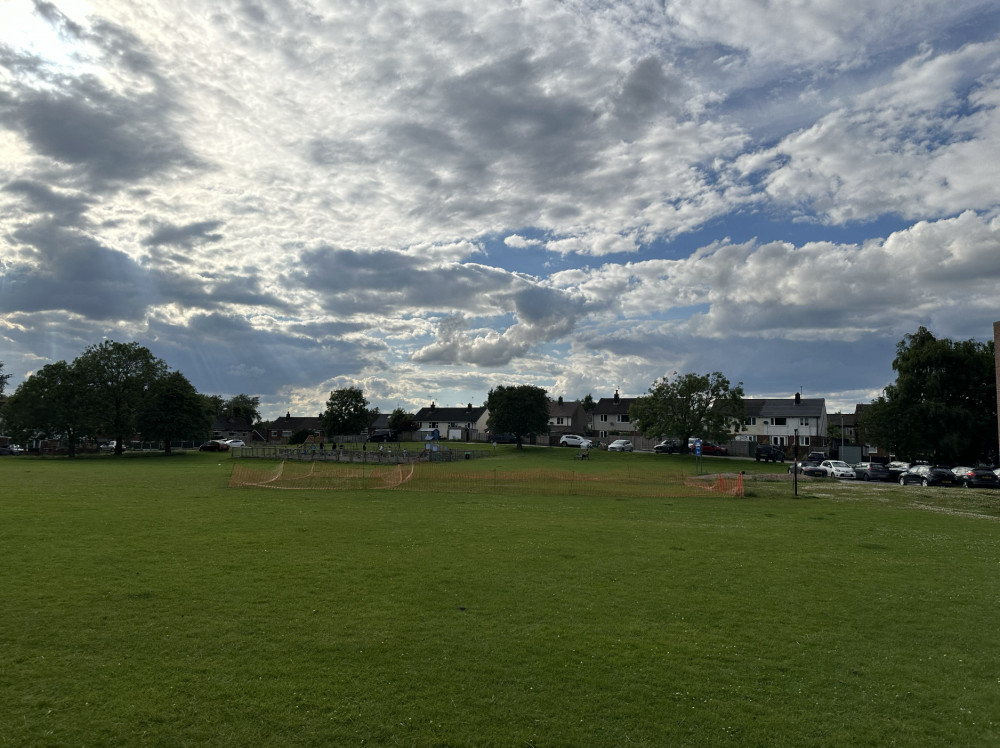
(783, 422)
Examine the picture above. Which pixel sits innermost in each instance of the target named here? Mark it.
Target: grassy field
(145, 602)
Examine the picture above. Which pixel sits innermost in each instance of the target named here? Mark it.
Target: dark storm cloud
(186, 236)
(229, 355)
(646, 93)
(41, 198)
(73, 273)
(390, 280)
(106, 138)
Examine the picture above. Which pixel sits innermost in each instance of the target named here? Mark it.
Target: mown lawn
(144, 602)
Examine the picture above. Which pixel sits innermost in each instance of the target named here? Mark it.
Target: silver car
(837, 469)
(572, 440)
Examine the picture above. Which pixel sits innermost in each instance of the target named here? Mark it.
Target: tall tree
(51, 403)
(520, 410)
(118, 376)
(687, 405)
(588, 403)
(942, 406)
(400, 420)
(346, 412)
(242, 406)
(4, 378)
(173, 409)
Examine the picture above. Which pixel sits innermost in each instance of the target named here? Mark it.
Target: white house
(778, 421)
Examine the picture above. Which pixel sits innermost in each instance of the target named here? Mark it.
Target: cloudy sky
(427, 199)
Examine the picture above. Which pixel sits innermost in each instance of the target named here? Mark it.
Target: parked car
(707, 448)
(668, 447)
(214, 445)
(110, 446)
(872, 471)
(382, 435)
(807, 467)
(971, 477)
(896, 469)
(837, 469)
(769, 453)
(620, 445)
(929, 475)
(235, 442)
(6, 451)
(572, 440)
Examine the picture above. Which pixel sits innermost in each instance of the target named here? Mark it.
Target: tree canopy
(118, 376)
(52, 402)
(346, 412)
(242, 406)
(400, 420)
(520, 410)
(4, 378)
(682, 406)
(173, 409)
(942, 406)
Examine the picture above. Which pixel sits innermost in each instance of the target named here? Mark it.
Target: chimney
(433, 406)
(617, 398)
(288, 414)
(798, 399)
(560, 400)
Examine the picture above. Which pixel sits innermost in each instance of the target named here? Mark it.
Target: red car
(216, 445)
(707, 448)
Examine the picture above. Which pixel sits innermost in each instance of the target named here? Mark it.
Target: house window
(750, 421)
(779, 440)
(780, 421)
(803, 422)
(604, 418)
(286, 432)
(623, 418)
(804, 441)
(559, 421)
(274, 433)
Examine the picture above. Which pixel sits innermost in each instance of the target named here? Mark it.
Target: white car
(235, 442)
(837, 469)
(572, 440)
(620, 445)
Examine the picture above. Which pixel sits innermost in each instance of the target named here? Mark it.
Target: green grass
(144, 602)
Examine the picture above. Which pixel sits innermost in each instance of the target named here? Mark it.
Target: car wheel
(965, 484)
(866, 477)
(924, 483)
(902, 481)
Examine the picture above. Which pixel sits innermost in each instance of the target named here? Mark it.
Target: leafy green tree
(346, 412)
(173, 409)
(588, 403)
(520, 410)
(687, 405)
(242, 406)
(400, 420)
(942, 406)
(51, 403)
(117, 378)
(4, 378)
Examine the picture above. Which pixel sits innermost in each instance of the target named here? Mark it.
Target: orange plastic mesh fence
(423, 477)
